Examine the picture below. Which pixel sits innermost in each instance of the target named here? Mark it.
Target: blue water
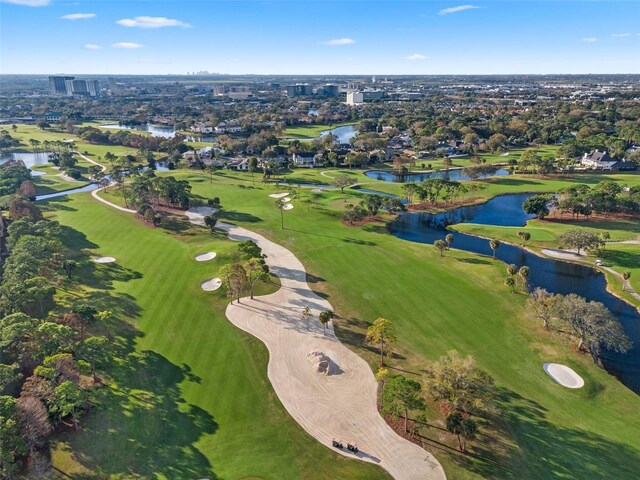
(86, 188)
(344, 133)
(453, 175)
(553, 275)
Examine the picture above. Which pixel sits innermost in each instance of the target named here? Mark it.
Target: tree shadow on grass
(546, 450)
(475, 261)
(232, 216)
(352, 331)
(56, 204)
(142, 428)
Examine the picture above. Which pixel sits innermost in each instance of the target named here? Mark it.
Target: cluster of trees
(590, 323)
(13, 175)
(433, 190)
(584, 239)
(48, 354)
(127, 138)
(607, 197)
(456, 384)
(517, 277)
(145, 190)
(369, 207)
(241, 277)
(7, 142)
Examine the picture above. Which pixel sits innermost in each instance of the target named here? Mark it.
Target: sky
(319, 37)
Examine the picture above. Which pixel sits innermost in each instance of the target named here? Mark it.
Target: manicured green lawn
(52, 182)
(197, 392)
(310, 131)
(455, 302)
(190, 397)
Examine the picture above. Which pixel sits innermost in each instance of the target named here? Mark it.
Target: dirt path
(340, 406)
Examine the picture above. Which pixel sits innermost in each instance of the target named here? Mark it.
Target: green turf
(190, 397)
(310, 131)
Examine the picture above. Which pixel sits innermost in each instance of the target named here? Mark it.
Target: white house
(598, 160)
(241, 164)
(304, 159)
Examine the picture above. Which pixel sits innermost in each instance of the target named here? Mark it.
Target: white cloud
(92, 46)
(590, 40)
(129, 45)
(620, 35)
(415, 57)
(28, 3)
(152, 22)
(339, 41)
(78, 16)
(461, 8)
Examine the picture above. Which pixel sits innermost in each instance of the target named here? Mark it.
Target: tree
(537, 205)
(69, 266)
(324, 318)
(381, 376)
(511, 283)
(249, 249)
(235, 279)
(34, 422)
(257, 270)
(544, 305)
(400, 395)
(372, 203)
(464, 428)
(512, 270)
(342, 182)
(381, 332)
(97, 351)
(210, 222)
(66, 400)
(11, 443)
(524, 236)
(592, 324)
(523, 273)
(306, 315)
(280, 206)
(625, 279)
(494, 244)
(449, 239)
(580, 239)
(441, 246)
(458, 384)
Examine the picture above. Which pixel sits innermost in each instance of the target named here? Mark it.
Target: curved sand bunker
(564, 375)
(211, 284)
(288, 206)
(203, 257)
(278, 195)
(286, 199)
(104, 259)
(340, 405)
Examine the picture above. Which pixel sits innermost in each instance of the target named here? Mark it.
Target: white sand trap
(564, 375)
(286, 199)
(211, 284)
(203, 257)
(37, 173)
(278, 195)
(288, 206)
(104, 259)
(196, 214)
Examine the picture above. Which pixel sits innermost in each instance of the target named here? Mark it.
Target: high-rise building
(93, 87)
(57, 85)
(299, 90)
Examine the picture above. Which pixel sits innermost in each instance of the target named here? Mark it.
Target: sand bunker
(286, 199)
(203, 257)
(104, 259)
(288, 206)
(278, 195)
(564, 375)
(196, 215)
(211, 284)
(37, 173)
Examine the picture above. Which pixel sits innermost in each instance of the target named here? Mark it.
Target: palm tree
(523, 273)
(512, 269)
(449, 239)
(325, 317)
(494, 244)
(625, 276)
(524, 236)
(511, 283)
(280, 206)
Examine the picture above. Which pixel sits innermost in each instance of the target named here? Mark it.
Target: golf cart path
(340, 406)
(574, 256)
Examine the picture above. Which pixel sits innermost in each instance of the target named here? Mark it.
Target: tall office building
(58, 85)
(299, 90)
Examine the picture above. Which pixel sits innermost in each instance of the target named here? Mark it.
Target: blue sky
(312, 37)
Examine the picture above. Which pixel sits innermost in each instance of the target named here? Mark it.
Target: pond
(344, 133)
(30, 159)
(86, 188)
(159, 131)
(451, 174)
(553, 275)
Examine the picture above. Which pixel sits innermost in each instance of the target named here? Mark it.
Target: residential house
(304, 159)
(240, 164)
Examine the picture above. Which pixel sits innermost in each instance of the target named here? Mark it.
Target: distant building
(603, 161)
(218, 90)
(58, 85)
(304, 159)
(355, 98)
(299, 90)
(52, 116)
(328, 90)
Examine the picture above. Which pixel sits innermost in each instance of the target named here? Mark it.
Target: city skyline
(319, 38)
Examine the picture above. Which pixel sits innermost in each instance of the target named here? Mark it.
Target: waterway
(451, 174)
(553, 275)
